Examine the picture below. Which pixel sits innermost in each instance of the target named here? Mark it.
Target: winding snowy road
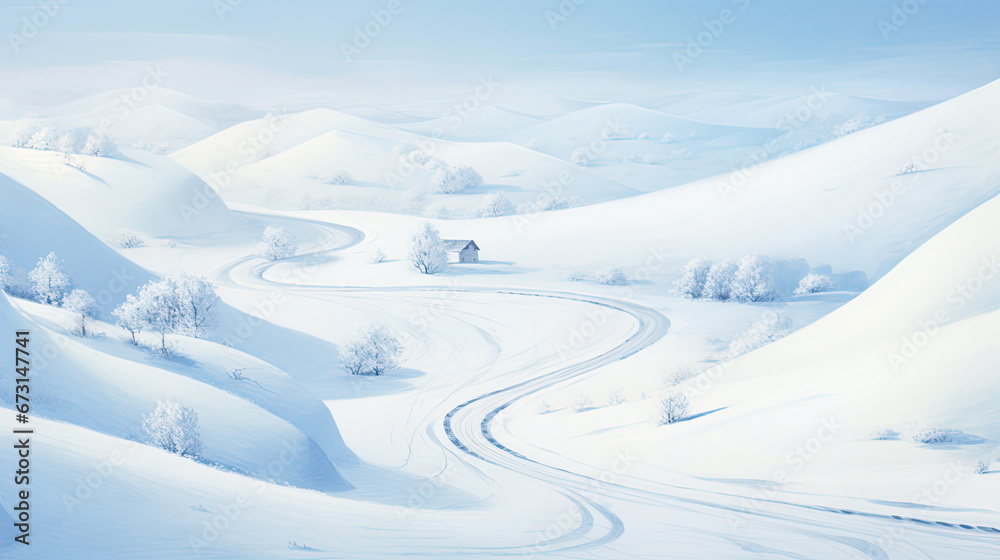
(627, 517)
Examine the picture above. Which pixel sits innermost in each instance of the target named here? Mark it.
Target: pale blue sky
(263, 49)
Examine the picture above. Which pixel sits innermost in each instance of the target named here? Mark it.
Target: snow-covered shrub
(691, 284)
(127, 238)
(651, 159)
(616, 397)
(449, 180)
(858, 122)
(376, 256)
(49, 281)
(673, 408)
(46, 138)
(772, 326)
(79, 301)
(581, 402)
(883, 435)
(21, 134)
(934, 434)
(276, 243)
(753, 279)
(339, 177)
(581, 156)
(576, 276)
(543, 408)
(546, 203)
(173, 427)
(611, 275)
(532, 144)
(4, 273)
(181, 304)
(814, 284)
(982, 466)
(370, 350)
(512, 172)
(667, 137)
(719, 280)
(427, 253)
(494, 205)
(680, 375)
(909, 168)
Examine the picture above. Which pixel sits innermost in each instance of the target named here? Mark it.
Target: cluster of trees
(177, 304)
(84, 141)
(370, 350)
(448, 180)
(748, 280)
(276, 243)
(52, 286)
(771, 327)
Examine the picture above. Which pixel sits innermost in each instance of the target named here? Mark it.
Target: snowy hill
(91, 264)
(141, 191)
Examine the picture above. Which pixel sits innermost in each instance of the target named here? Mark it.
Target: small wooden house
(465, 250)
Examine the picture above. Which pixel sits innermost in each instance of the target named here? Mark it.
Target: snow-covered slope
(141, 191)
(31, 227)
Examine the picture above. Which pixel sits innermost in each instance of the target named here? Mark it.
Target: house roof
(459, 244)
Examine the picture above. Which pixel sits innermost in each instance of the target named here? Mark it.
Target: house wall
(468, 256)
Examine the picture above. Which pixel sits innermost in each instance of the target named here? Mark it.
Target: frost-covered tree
(49, 281)
(46, 138)
(277, 243)
(673, 408)
(611, 275)
(173, 427)
(691, 284)
(20, 135)
(196, 299)
(4, 273)
(181, 304)
(814, 284)
(127, 238)
(495, 204)
(370, 350)
(130, 316)
(771, 327)
(449, 180)
(753, 279)
(79, 301)
(719, 280)
(99, 145)
(427, 253)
